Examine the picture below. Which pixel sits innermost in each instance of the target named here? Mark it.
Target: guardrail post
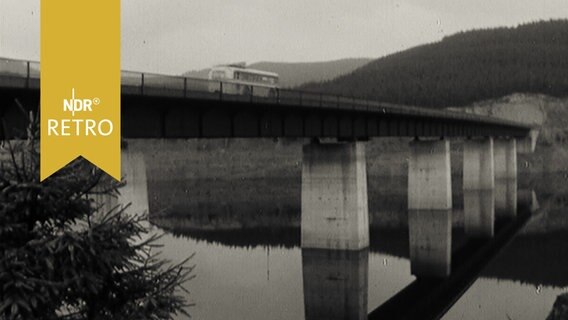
(321, 98)
(337, 101)
(185, 87)
(300, 98)
(251, 93)
(27, 74)
(142, 85)
(277, 95)
(221, 90)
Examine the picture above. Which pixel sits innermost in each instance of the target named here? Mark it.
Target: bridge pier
(334, 196)
(429, 205)
(505, 158)
(478, 166)
(135, 190)
(429, 175)
(505, 178)
(478, 187)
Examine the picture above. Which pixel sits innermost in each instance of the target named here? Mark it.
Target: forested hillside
(465, 67)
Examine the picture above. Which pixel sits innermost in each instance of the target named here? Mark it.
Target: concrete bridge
(158, 106)
(334, 181)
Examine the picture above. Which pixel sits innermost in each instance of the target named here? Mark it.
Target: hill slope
(466, 67)
(295, 74)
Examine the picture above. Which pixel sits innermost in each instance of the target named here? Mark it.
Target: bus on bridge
(238, 79)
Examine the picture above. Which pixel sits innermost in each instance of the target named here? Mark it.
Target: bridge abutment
(505, 178)
(430, 204)
(133, 195)
(135, 190)
(334, 196)
(478, 187)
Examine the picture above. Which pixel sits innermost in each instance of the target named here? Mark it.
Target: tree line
(464, 68)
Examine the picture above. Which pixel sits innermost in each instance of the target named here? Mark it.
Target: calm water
(242, 220)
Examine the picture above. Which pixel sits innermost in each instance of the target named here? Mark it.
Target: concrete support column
(478, 188)
(135, 191)
(335, 284)
(505, 151)
(478, 167)
(430, 205)
(429, 176)
(334, 197)
(505, 178)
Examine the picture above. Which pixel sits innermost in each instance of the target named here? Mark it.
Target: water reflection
(428, 241)
(479, 213)
(335, 284)
(505, 198)
(430, 238)
(246, 232)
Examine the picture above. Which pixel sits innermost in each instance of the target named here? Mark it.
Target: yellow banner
(80, 84)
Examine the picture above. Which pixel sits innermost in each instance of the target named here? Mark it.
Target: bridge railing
(26, 75)
(19, 73)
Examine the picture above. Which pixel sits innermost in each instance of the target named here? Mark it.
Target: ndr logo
(78, 105)
(80, 126)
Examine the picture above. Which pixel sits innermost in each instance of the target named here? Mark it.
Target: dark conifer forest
(465, 67)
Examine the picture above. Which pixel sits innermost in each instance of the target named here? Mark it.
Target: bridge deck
(190, 107)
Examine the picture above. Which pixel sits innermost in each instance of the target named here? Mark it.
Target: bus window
(218, 74)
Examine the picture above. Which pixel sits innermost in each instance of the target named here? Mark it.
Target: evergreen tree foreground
(61, 257)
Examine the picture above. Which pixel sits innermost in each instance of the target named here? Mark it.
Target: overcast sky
(173, 36)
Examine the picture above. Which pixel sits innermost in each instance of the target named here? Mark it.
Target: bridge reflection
(432, 294)
(479, 213)
(505, 198)
(335, 284)
(281, 228)
(430, 237)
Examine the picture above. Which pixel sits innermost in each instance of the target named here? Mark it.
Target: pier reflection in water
(387, 262)
(250, 264)
(505, 198)
(335, 284)
(479, 213)
(430, 233)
